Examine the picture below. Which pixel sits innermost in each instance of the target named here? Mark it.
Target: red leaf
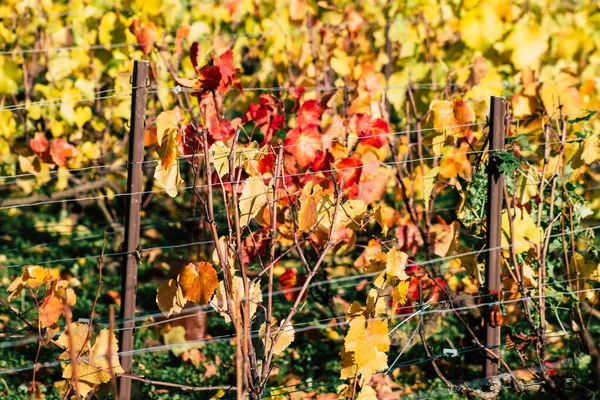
(209, 78)
(60, 150)
(322, 162)
(298, 92)
(218, 129)
(194, 56)
(39, 143)
(287, 281)
(265, 116)
(303, 144)
(291, 282)
(349, 171)
(309, 114)
(228, 72)
(372, 132)
(192, 141)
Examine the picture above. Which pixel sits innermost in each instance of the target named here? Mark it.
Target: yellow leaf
(352, 213)
(451, 115)
(82, 115)
(252, 200)
(528, 42)
(396, 264)
(220, 157)
(480, 27)
(368, 341)
(367, 393)
(169, 178)
(297, 10)
(93, 368)
(169, 297)
(587, 152)
(349, 368)
(375, 304)
(78, 332)
(380, 217)
(237, 289)
(341, 63)
(309, 200)
(167, 121)
(429, 180)
(400, 294)
(526, 186)
(176, 335)
(285, 338)
(525, 230)
(104, 356)
(198, 282)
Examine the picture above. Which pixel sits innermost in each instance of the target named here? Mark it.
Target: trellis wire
(255, 335)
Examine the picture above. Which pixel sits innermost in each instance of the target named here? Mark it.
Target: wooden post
(493, 270)
(132, 219)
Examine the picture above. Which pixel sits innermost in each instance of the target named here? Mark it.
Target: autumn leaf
(39, 143)
(367, 393)
(400, 294)
(228, 72)
(396, 264)
(169, 297)
(218, 128)
(451, 115)
(168, 122)
(198, 282)
(587, 152)
(303, 144)
(286, 337)
(372, 132)
(349, 171)
(252, 199)
(368, 340)
(169, 177)
(265, 116)
(309, 201)
(291, 282)
(53, 305)
(145, 34)
(309, 114)
(60, 150)
(429, 181)
(525, 232)
(95, 364)
(237, 294)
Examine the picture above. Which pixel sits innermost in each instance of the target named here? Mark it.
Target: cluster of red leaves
(291, 282)
(58, 152)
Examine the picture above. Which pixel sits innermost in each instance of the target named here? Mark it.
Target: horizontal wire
(255, 334)
(389, 163)
(59, 171)
(330, 382)
(24, 106)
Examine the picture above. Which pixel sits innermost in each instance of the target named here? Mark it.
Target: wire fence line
(304, 328)
(333, 382)
(195, 311)
(186, 157)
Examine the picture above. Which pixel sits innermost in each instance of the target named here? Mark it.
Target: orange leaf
(60, 150)
(39, 143)
(228, 72)
(50, 310)
(182, 33)
(303, 144)
(287, 281)
(198, 282)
